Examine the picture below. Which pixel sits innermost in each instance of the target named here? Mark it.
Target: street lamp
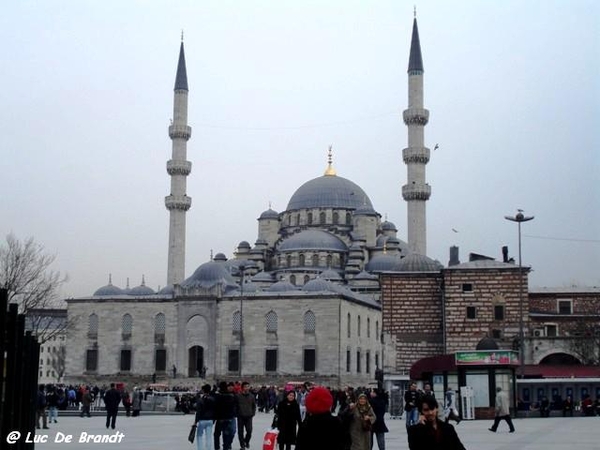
(241, 268)
(519, 218)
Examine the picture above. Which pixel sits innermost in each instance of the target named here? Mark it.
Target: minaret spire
(178, 168)
(416, 191)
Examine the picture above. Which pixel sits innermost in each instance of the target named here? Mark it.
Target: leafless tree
(585, 335)
(31, 283)
(58, 362)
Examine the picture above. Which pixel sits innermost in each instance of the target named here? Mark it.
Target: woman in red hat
(320, 430)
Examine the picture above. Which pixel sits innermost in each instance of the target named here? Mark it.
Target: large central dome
(329, 191)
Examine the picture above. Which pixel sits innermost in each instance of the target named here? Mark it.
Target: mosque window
(349, 325)
(348, 219)
(93, 326)
(309, 218)
(288, 260)
(160, 360)
(271, 322)
(358, 326)
(289, 219)
(368, 362)
(336, 218)
(126, 326)
(306, 279)
(348, 359)
(297, 219)
(498, 312)
(322, 217)
(310, 322)
(236, 323)
(293, 279)
(358, 361)
(302, 260)
(159, 328)
(310, 360)
(368, 327)
(233, 360)
(271, 360)
(377, 360)
(125, 360)
(91, 360)
(377, 329)
(329, 260)
(315, 260)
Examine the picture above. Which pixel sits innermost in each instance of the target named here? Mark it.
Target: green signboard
(487, 358)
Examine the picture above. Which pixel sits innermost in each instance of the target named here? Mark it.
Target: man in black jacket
(225, 413)
(112, 398)
(205, 414)
(431, 433)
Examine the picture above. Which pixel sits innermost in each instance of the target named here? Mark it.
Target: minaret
(178, 168)
(416, 191)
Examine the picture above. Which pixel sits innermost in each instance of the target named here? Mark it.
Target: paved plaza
(169, 432)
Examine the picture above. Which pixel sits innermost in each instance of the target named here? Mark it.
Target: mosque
(304, 300)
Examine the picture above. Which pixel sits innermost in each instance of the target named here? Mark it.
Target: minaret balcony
(180, 131)
(179, 167)
(416, 192)
(416, 155)
(415, 116)
(179, 202)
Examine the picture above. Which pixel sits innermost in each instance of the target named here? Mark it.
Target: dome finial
(143, 280)
(110, 278)
(127, 282)
(330, 170)
(182, 32)
(415, 11)
(211, 254)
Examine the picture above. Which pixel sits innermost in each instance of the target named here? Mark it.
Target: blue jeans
(412, 417)
(227, 427)
(204, 435)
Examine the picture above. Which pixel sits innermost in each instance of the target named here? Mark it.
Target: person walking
(361, 420)
(52, 400)
(225, 414)
(502, 411)
(450, 412)
(288, 418)
(40, 407)
(568, 406)
(136, 402)
(411, 400)
(205, 414)
(86, 403)
(379, 403)
(430, 433)
(111, 398)
(320, 430)
(246, 409)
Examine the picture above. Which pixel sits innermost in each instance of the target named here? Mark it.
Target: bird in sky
(455, 230)
(436, 147)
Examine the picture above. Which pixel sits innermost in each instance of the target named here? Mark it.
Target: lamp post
(241, 268)
(519, 218)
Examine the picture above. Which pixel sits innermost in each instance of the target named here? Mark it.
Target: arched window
(349, 324)
(271, 322)
(322, 217)
(336, 218)
(236, 323)
(309, 218)
(288, 259)
(126, 324)
(310, 322)
(315, 260)
(329, 260)
(297, 219)
(93, 325)
(159, 324)
(293, 279)
(358, 325)
(302, 260)
(368, 327)
(377, 330)
(289, 221)
(348, 219)
(306, 279)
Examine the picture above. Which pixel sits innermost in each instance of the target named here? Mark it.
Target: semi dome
(329, 191)
(210, 274)
(282, 286)
(318, 285)
(331, 275)
(418, 263)
(313, 240)
(263, 277)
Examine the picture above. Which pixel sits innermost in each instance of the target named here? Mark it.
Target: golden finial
(330, 170)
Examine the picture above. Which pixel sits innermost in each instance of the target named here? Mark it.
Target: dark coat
(320, 432)
(205, 407)
(423, 437)
(288, 418)
(112, 398)
(379, 405)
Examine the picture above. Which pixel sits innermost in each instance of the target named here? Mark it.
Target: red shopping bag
(270, 440)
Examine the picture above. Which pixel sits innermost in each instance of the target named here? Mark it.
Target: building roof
(329, 191)
(485, 264)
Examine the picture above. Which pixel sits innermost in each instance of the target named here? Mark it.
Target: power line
(551, 238)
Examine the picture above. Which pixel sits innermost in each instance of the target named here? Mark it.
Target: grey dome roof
(318, 285)
(364, 275)
(329, 191)
(388, 226)
(365, 210)
(244, 244)
(108, 290)
(269, 214)
(418, 263)
(313, 240)
(249, 287)
(167, 290)
(220, 257)
(263, 277)
(282, 286)
(210, 274)
(487, 343)
(383, 263)
(331, 275)
(142, 289)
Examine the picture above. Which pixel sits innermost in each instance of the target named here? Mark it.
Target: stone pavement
(149, 432)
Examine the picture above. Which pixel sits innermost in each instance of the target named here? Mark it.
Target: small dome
(108, 290)
(388, 226)
(313, 240)
(318, 285)
(142, 289)
(418, 263)
(383, 263)
(244, 244)
(249, 287)
(329, 191)
(262, 277)
(220, 257)
(167, 290)
(260, 241)
(366, 276)
(487, 343)
(269, 214)
(365, 210)
(210, 274)
(381, 240)
(282, 286)
(331, 275)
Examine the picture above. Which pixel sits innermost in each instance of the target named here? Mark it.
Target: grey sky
(513, 88)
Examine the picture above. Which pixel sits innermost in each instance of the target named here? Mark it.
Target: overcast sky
(513, 90)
